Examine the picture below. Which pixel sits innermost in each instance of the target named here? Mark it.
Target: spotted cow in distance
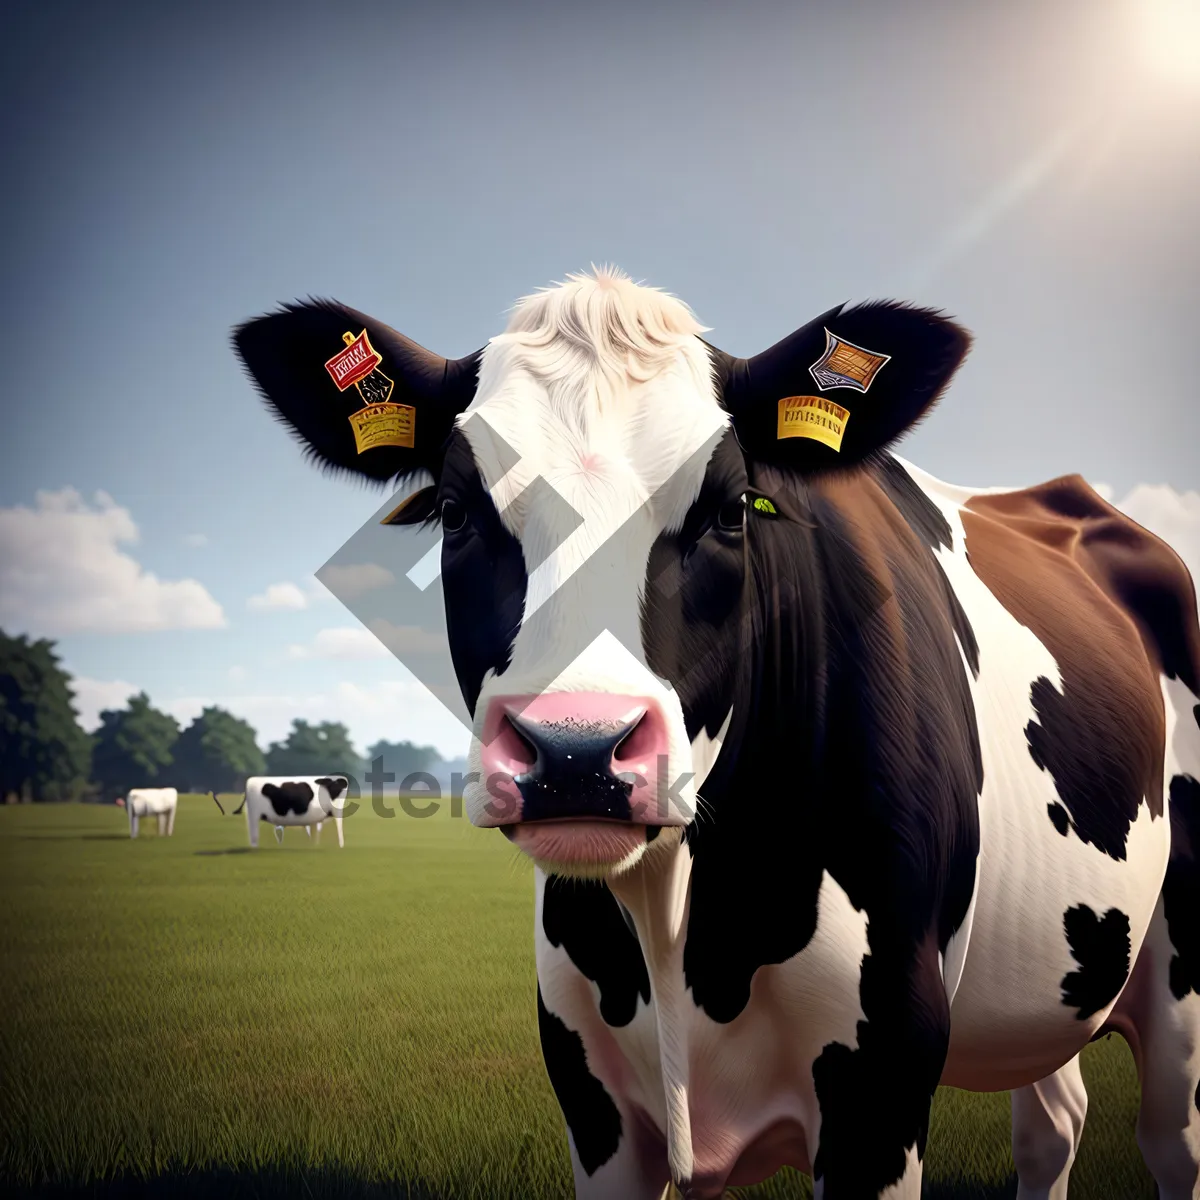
(840, 782)
(284, 800)
(160, 803)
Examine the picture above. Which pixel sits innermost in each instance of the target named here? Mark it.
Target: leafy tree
(44, 754)
(404, 758)
(323, 749)
(134, 748)
(217, 752)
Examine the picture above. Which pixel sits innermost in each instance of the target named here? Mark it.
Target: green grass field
(186, 1017)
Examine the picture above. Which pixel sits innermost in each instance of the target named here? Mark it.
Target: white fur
(602, 389)
(152, 802)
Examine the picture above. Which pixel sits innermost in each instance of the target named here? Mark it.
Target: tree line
(46, 755)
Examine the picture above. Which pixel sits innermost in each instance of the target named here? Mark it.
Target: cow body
(286, 800)
(772, 1041)
(840, 782)
(152, 802)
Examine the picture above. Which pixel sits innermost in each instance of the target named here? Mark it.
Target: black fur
(1059, 818)
(334, 787)
(291, 797)
(1100, 945)
(1181, 888)
(1099, 782)
(484, 577)
(923, 516)
(584, 918)
(591, 1115)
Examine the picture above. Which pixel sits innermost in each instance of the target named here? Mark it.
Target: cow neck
(656, 893)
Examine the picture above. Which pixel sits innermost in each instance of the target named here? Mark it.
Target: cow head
(601, 475)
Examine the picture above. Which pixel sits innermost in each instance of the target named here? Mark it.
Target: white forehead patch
(603, 389)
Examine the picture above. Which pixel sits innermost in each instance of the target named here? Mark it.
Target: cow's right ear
(361, 397)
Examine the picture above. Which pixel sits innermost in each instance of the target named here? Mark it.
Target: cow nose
(572, 755)
(575, 746)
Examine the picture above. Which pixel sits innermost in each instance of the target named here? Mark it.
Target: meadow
(183, 1016)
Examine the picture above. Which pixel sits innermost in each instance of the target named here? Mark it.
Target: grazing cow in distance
(839, 781)
(293, 800)
(152, 802)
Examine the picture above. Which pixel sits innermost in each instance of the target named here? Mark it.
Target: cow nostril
(638, 743)
(514, 748)
(528, 749)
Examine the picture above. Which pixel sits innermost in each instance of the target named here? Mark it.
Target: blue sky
(1034, 168)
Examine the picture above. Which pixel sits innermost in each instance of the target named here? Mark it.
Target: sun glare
(1170, 36)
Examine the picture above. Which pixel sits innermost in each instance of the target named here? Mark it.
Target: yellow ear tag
(812, 417)
(764, 506)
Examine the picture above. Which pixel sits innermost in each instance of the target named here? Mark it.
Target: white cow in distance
(293, 800)
(152, 802)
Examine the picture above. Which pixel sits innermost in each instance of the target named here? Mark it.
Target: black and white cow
(859, 782)
(284, 800)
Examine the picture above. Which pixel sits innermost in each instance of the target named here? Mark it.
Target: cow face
(592, 482)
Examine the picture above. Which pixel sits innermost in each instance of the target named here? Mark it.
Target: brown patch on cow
(1115, 606)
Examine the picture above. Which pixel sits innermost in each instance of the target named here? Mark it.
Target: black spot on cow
(591, 1115)
(1059, 818)
(334, 787)
(1181, 887)
(290, 797)
(900, 1055)
(1097, 773)
(585, 919)
(923, 516)
(1100, 945)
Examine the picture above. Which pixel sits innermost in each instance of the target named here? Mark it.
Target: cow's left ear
(359, 396)
(844, 387)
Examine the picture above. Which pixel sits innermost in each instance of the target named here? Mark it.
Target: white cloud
(196, 539)
(278, 596)
(93, 696)
(62, 571)
(352, 580)
(344, 643)
(286, 596)
(238, 674)
(380, 639)
(1174, 516)
(1105, 490)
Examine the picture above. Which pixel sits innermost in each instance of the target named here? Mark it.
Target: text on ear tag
(812, 417)
(379, 422)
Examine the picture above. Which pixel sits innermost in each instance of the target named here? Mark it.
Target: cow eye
(731, 515)
(454, 516)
